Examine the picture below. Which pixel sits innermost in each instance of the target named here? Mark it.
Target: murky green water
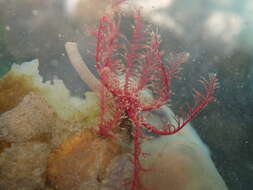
(217, 34)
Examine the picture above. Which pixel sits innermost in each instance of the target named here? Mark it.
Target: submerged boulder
(23, 165)
(82, 161)
(33, 118)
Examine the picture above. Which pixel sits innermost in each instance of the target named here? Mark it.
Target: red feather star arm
(201, 101)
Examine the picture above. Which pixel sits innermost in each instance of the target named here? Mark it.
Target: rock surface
(32, 118)
(82, 161)
(23, 165)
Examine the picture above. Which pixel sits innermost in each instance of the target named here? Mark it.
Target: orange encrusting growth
(131, 71)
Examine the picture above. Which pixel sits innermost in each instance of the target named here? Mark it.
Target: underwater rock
(32, 118)
(13, 88)
(82, 161)
(23, 166)
(25, 78)
(119, 172)
(63, 130)
(43, 115)
(181, 162)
